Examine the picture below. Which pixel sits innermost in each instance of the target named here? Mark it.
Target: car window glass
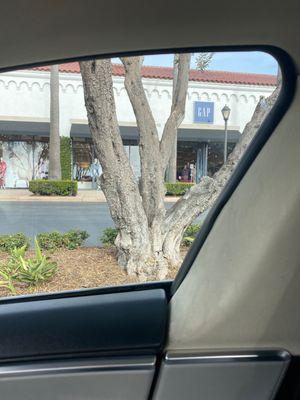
(108, 167)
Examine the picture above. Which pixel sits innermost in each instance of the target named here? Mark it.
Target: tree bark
(172, 168)
(152, 174)
(149, 236)
(155, 161)
(180, 87)
(118, 183)
(54, 142)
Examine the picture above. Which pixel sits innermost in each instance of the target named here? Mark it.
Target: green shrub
(66, 158)
(50, 241)
(190, 233)
(57, 188)
(109, 236)
(74, 239)
(31, 271)
(9, 242)
(177, 189)
(54, 240)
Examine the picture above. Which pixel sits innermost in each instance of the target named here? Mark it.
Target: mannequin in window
(192, 172)
(3, 168)
(95, 173)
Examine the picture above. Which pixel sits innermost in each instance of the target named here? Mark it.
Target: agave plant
(31, 271)
(7, 281)
(35, 270)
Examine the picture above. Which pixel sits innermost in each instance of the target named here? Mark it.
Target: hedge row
(57, 188)
(178, 188)
(66, 158)
(67, 187)
(46, 241)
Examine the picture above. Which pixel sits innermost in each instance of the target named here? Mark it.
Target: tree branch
(151, 182)
(180, 87)
(117, 181)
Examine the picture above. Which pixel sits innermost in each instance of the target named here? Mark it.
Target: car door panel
(221, 375)
(98, 346)
(88, 379)
(108, 323)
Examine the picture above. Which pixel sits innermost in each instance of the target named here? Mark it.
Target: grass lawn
(85, 267)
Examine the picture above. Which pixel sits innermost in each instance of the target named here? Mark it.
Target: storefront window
(186, 161)
(132, 151)
(24, 160)
(86, 167)
(83, 155)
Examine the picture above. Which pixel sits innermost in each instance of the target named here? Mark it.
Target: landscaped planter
(44, 187)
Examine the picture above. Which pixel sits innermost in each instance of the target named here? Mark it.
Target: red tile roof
(196, 76)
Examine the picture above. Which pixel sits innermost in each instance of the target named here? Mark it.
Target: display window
(22, 161)
(86, 167)
(132, 151)
(186, 161)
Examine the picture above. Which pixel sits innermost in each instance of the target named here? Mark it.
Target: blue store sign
(204, 112)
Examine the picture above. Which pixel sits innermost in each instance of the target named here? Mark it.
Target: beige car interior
(235, 319)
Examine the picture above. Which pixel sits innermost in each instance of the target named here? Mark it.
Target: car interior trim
(207, 357)
(77, 366)
(211, 376)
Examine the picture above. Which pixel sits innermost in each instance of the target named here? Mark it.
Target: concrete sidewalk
(83, 196)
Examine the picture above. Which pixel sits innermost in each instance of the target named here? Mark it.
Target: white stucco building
(24, 117)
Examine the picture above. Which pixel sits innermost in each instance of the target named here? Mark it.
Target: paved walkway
(83, 196)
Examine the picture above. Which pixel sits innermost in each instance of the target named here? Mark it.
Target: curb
(67, 199)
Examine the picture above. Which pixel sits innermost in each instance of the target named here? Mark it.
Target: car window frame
(275, 115)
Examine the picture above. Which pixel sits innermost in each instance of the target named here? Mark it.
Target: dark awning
(206, 135)
(83, 131)
(184, 134)
(29, 128)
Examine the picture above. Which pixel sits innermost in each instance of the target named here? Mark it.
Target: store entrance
(187, 161)
(198, 159)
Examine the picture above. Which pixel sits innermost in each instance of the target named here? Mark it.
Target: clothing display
(82, 172)
(3, 168)
(24, 160)
(95, 170)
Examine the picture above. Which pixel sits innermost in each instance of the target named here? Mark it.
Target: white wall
(24, 95)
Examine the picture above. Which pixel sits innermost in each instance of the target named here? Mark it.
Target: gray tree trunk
(172, 168)
(149, 236)
(54, 143)
(117, 180)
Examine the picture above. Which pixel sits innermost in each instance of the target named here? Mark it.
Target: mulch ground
(81, 268)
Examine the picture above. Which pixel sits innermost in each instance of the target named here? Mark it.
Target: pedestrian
(185, 173)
